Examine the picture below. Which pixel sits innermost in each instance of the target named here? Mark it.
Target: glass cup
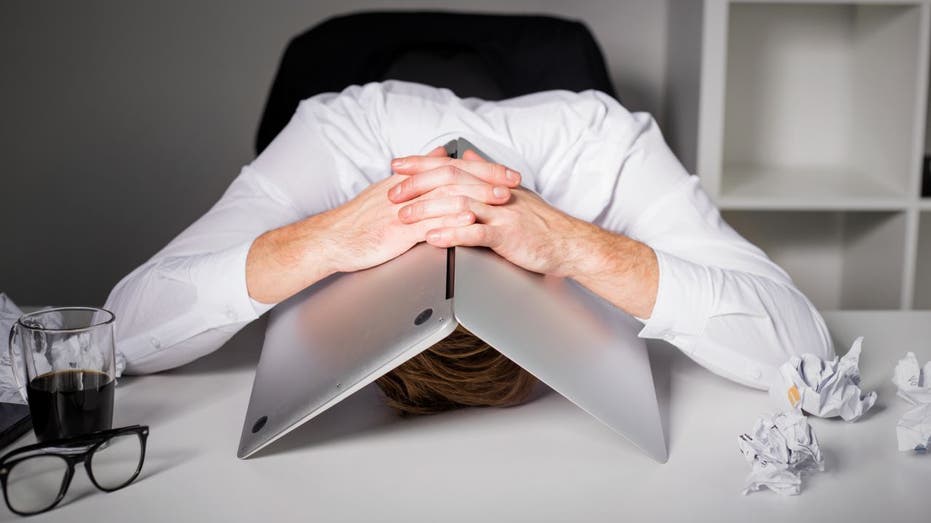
(68, 362)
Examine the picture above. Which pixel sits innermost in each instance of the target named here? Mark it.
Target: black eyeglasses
(35, 478)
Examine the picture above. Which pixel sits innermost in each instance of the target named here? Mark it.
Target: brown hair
(460, 371)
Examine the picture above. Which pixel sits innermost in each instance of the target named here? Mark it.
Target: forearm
(286, 260)
(615, 267)
(740, 325)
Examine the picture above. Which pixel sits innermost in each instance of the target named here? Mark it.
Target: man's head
(460, 371)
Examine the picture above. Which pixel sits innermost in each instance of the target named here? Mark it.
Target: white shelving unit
(807, 123)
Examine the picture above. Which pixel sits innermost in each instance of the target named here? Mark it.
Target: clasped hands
(450, 202)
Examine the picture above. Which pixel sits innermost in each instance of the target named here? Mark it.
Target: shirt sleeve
(191, 297)
(720, 299)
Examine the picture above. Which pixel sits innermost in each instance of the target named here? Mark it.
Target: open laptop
(348, 330)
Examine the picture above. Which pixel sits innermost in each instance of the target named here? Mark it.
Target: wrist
(620, 269)
(584, 253)
(316, 246)
(283, 261)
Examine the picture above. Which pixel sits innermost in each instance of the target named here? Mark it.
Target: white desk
(544, 461)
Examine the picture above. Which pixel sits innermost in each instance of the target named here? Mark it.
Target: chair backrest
(486, 56)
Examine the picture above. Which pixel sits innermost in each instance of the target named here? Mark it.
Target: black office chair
(486, 56)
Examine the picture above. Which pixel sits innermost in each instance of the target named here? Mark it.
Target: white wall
(122, 122)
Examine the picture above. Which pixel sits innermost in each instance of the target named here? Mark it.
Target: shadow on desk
(240, 352)
(363, 414)
(662, 359)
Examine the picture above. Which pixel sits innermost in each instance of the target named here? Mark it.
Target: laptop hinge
(450, 271)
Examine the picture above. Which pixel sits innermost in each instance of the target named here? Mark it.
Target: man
(586, 190)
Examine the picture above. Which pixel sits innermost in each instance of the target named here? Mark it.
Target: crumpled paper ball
(779, 449)
(913, 430)
(822, 388)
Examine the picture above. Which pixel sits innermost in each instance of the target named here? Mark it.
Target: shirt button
(230, 313)
(669, 337)
(756, 374)
(155, 342)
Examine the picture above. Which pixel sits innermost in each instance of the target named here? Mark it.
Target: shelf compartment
(820, 100)
(840, 260)
(923, 267)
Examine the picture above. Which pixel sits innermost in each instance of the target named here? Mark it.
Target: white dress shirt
(720, 299)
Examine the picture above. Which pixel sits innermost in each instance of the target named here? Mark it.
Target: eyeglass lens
(34, 483)
(114, 464)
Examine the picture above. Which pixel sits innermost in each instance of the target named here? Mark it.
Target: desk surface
(543, 461)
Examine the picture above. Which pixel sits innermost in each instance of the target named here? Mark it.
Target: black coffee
(70, 403)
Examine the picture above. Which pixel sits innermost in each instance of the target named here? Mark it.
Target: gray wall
(122, 122)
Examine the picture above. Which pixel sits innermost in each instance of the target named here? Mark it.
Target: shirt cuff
(259, 307)
(684, 299)
(220, 279)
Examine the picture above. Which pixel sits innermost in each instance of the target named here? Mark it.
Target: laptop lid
(341, 334)
(581, 346)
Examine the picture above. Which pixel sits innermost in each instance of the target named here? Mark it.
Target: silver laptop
(348, 330)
